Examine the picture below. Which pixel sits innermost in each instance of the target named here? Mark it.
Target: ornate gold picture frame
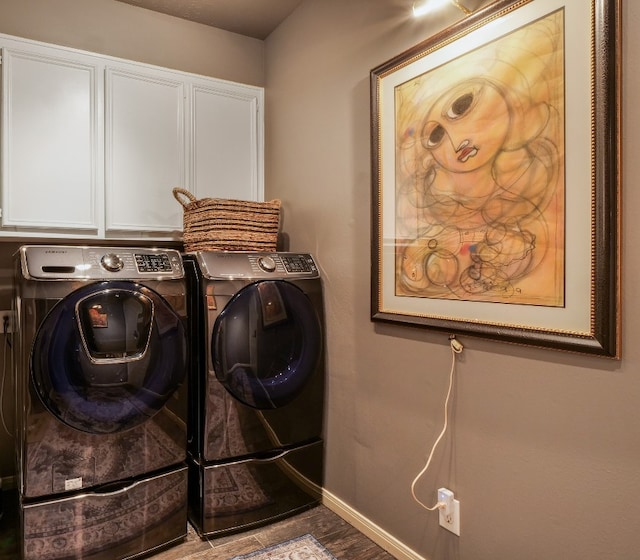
(496, 177)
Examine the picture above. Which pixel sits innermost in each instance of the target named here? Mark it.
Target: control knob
(267, 264)
(112, 262)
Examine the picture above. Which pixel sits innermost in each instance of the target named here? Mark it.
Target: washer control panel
(223, 264)
(61, 262)
(299, 263)
(149, 262)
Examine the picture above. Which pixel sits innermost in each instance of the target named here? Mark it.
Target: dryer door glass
(108, 356)
(266, 344)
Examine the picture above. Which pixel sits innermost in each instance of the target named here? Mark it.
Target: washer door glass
(266, 344)
(108, 356)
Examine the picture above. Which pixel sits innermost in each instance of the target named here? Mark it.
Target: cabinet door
(145, 151)
(227, 138)
(51, 142)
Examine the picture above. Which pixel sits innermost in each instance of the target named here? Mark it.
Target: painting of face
(465, 128)
(495, 167)
(479, 173)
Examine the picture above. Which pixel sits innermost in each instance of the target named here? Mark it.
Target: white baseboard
(378, 535)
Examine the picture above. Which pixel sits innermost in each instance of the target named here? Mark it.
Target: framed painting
(496, 177)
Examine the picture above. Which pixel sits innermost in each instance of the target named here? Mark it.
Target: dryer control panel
(99, 263)
(254, 266)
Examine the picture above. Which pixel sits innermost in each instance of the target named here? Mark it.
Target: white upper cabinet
(92, 146)
(51, 142)
(145, 151)
(227, 141)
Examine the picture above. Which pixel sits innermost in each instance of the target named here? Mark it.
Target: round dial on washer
(267, 264)
(112, 262)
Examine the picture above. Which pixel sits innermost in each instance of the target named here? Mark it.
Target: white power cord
(456, 348)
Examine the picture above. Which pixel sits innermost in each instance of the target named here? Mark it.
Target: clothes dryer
(100, 366)
(256, 388)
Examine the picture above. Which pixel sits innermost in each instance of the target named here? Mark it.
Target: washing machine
(100, 363)
(255, 446)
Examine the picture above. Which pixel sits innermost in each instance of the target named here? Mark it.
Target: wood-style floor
(338, 536)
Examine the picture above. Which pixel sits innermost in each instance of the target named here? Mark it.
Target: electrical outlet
(450, 513)
(10, 325)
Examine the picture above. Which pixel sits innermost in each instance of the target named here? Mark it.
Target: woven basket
(221, 224)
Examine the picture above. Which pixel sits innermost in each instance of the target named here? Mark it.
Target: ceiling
(253, 18)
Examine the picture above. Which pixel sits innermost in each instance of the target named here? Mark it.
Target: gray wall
(544, 447)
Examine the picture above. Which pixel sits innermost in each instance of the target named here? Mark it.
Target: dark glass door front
(108, 356)
(266, 344)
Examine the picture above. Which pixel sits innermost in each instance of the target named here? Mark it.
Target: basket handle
(178, 193)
